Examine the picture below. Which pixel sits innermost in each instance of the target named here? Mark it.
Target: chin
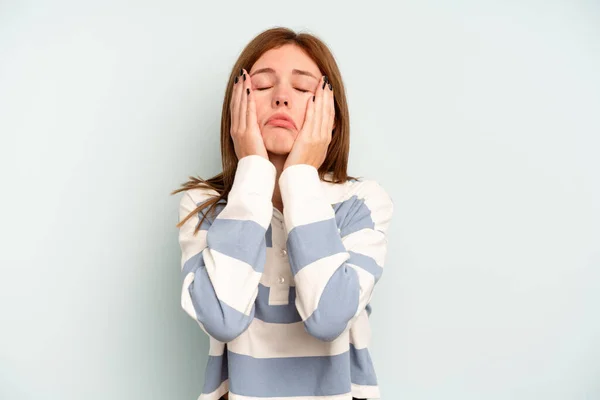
(278, 140)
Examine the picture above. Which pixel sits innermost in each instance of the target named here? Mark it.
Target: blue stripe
(290, 376)
(276, 314)
(310, 242)
(210, 217)
(244, 240)
(352, 215)
(362, 369)
(220, 320)
(337, 305)
(367, 263)
(215, 372)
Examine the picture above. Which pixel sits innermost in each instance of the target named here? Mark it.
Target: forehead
(286, 58)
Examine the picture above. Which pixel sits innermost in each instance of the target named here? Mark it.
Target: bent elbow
(326, 331)
(224, 332)
(224, 323)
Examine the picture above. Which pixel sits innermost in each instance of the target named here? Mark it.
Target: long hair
(336, 160)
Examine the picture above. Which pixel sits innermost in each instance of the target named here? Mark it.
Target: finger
(328, 113)
(308, 125)
(234, 105)
(243, 106)
(251, 114)
(318, 115)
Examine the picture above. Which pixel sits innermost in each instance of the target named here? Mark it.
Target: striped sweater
(284, 297)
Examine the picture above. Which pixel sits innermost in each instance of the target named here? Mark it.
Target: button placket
(279, 281)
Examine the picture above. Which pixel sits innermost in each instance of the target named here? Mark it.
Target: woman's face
(285, 74)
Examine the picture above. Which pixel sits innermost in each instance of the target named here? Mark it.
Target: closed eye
(300, 90)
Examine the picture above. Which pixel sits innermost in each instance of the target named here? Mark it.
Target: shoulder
(192, 198)
(369, 191)
(200, 195)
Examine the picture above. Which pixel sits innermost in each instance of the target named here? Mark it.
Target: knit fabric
(284, 297)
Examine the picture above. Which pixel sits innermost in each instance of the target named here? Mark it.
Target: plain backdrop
(480, 118)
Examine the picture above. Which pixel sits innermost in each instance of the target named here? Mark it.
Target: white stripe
(235, 281)
(297, 217)
(186, 301)
(366, 280)
(346, 396)
(301, 190)
(360, 331)
(191, 245)
(271, 340)
(254, 174)
(216, 395)
(337, 192)
(312, 279)
(378, 201)
(248, 207)
(250, 197)
(216, 348)
(369, 242)
(366, 392)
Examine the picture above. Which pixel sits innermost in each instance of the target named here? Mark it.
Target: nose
(281, 96)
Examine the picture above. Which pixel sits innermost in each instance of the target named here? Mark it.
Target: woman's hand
(247, 139)
(310, 146)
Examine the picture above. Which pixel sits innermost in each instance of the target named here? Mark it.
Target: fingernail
(236, 79)
(324, 83)
(247, 90)
(313, 98)
(326, 78)
(244, 76)
(330, 87)
(241, 71)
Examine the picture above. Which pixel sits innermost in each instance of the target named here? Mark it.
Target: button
(283, 252)
(281, 279)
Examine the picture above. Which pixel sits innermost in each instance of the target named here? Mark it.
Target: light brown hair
(336, 160)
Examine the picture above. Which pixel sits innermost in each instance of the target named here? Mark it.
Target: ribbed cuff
(255, 175)
(303, 196)
(300, 180)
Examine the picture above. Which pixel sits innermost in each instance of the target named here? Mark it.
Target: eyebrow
(272, 71)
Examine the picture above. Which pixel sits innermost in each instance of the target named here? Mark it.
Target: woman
(279, 268)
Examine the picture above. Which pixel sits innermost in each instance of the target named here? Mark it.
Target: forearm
(223, 263)
(327, 288)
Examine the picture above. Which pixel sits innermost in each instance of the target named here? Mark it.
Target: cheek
(301, 115)
(262, 109)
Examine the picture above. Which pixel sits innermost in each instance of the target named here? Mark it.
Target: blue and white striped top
(284, 297)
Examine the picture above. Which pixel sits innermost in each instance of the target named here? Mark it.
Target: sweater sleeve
(222, 264)
(335, 269)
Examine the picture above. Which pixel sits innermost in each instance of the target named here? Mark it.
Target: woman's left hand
(310, 146)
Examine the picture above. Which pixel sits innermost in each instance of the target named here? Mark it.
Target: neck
(278, 161)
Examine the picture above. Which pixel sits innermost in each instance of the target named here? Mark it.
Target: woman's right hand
(245, 133)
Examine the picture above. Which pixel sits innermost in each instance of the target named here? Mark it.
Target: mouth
(284, 123)
(282, 120)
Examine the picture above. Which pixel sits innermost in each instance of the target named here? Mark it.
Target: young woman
(281, 251)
